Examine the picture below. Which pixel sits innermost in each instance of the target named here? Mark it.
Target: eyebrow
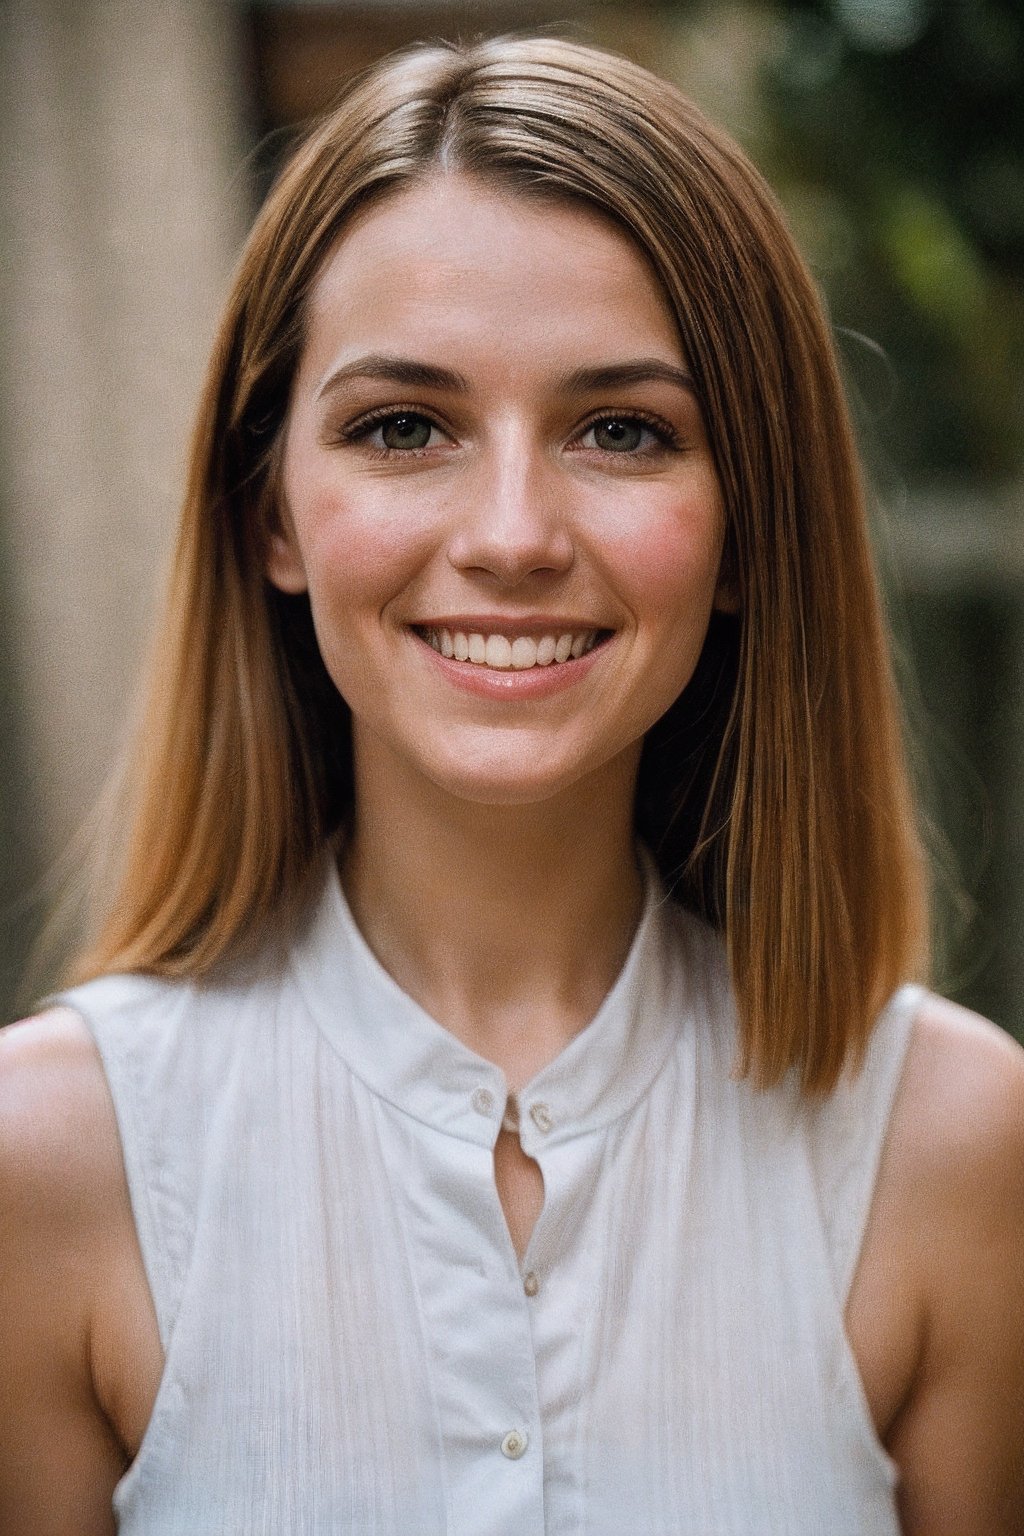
(581, 381)
(395, 370)
(643, 370)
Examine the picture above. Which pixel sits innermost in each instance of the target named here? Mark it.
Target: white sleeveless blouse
(351, 1344)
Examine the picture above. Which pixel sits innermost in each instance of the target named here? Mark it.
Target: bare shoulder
(59, 1148)
(959, 1114)
(62, 1204)
(955, 1163)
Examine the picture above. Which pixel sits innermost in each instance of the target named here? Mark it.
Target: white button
(541, 1116)
(483, 1101)
(531, 1285)
(514, 1444)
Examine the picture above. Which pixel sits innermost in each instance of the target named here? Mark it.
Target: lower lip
(508, 684)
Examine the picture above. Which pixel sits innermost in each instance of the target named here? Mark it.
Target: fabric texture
(351, 1343)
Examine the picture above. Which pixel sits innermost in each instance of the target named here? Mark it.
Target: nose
(513, 523)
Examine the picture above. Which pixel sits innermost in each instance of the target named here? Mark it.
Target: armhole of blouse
(865, 1107)
(156, 1214)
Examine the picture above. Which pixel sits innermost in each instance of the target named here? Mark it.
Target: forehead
(455, 264)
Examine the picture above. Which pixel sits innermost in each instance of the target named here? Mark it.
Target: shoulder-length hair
(774, 794)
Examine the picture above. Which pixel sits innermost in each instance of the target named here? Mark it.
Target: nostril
(511, 560)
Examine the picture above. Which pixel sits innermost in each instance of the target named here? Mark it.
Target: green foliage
(895, 131)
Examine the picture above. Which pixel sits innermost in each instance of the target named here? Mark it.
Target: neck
(508, 924)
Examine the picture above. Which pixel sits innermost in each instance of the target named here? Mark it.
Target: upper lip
(507, 624)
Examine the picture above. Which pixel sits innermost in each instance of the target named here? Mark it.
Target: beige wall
(124, 196)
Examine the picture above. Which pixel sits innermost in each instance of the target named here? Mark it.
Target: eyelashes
(624, 432)
(400, 423)
(405, 433)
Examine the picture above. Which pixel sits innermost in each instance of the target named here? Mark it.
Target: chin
(507, 785)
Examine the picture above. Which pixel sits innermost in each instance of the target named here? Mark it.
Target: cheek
(359, 552)
(669, 571)
(668, 555)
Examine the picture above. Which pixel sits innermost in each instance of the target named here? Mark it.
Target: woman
(405, 1160)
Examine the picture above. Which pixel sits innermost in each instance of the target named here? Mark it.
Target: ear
(283, 561)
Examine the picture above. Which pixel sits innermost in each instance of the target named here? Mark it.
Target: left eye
(404, 430)
(619, 434)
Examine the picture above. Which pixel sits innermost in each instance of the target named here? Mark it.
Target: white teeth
(524, 653)
(501, 653)
(498, 652)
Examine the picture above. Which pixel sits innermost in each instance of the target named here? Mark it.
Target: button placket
(484, 1374)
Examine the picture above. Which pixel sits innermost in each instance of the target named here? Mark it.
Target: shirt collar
(414, 1063)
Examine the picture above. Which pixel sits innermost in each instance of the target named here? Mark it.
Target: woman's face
(493, 448)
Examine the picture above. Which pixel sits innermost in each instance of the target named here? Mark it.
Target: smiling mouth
(518, 653)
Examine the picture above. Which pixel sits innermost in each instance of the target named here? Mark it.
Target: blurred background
(136, 139)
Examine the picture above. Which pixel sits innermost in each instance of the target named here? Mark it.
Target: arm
(959, 1437)
(60, 1181)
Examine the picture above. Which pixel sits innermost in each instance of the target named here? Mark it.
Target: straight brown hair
(774, 794)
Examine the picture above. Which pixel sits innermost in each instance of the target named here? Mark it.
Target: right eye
(398, 431)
